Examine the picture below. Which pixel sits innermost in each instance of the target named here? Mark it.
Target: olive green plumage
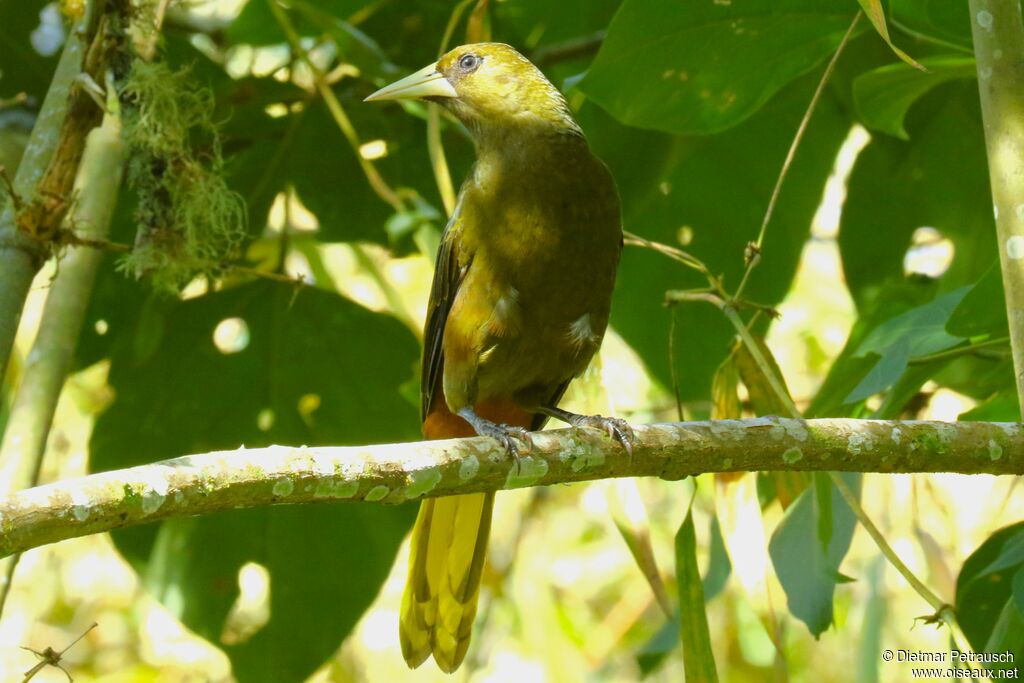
(519, 304)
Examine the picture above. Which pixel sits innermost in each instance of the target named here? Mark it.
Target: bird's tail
(446, 560)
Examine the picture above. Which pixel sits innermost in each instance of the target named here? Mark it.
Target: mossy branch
(395, 473)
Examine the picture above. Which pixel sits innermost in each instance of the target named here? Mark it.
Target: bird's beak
(427, 82)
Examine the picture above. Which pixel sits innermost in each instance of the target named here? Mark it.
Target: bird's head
(488, 86)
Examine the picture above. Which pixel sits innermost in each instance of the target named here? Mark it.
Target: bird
(518, 306)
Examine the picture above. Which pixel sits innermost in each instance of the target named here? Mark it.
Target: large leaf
(983, 310)
(884, 95)
(309, 368)
(1003, 407)
(882, 305)
(1007, 639)
(808, 546)
(717, 186)
(940, 20)
(985, 586)
(685, 67)
(918, 332)
(897, 187)
(533, 25)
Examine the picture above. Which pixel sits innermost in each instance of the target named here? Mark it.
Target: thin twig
(686, 258)
(51, 657)
(755, 248)
(675, 296)
(673, 373)
(373, 177)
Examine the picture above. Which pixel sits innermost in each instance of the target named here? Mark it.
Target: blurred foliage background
(880, 260)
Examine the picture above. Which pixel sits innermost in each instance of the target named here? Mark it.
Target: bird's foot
(616, 428)
(506, 435)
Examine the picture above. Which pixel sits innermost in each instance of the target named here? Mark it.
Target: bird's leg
(617, 428)
(505, 434)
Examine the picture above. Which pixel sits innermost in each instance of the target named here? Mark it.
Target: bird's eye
(469, 62)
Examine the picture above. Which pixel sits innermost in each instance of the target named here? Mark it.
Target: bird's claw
(507, 436)
(616, 428)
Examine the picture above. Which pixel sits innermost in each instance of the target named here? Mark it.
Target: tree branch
(998, 32)
(20, 255)
(395, 473)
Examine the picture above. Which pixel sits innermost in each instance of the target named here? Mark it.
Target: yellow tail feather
(447, 550)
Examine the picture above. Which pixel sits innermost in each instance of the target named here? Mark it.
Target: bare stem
(801, 129)
(373, 177)
(24, 438)
(20, 256)
(999, 53)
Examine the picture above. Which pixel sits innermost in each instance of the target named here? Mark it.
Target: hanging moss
(189, 220)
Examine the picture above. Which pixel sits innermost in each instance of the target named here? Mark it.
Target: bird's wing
(448, 274)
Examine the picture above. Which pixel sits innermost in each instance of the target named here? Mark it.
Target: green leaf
(850, 368)
(983, 309)
(901, 395)
(534, 25)
(307, 367)
(718, 187)
(918, 332)
(664, 641)
(1018, 590)
(1010, 555)
(876, 15)
(985, 584)
(686, 67)
(897, 187)
(889, 368)
(698, 657)
(884, 95)
(873, 624)
(808, 569)
(716, 574)
(1007, 639)
(938, 20)
(921, 329)
(1003, 407)
(301, 148)
(326, 565)
(353, 46)
(719, 564)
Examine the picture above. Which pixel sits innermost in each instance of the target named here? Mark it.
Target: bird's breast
(534, 305)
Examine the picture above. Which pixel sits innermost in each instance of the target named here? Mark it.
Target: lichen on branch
(395, 473)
